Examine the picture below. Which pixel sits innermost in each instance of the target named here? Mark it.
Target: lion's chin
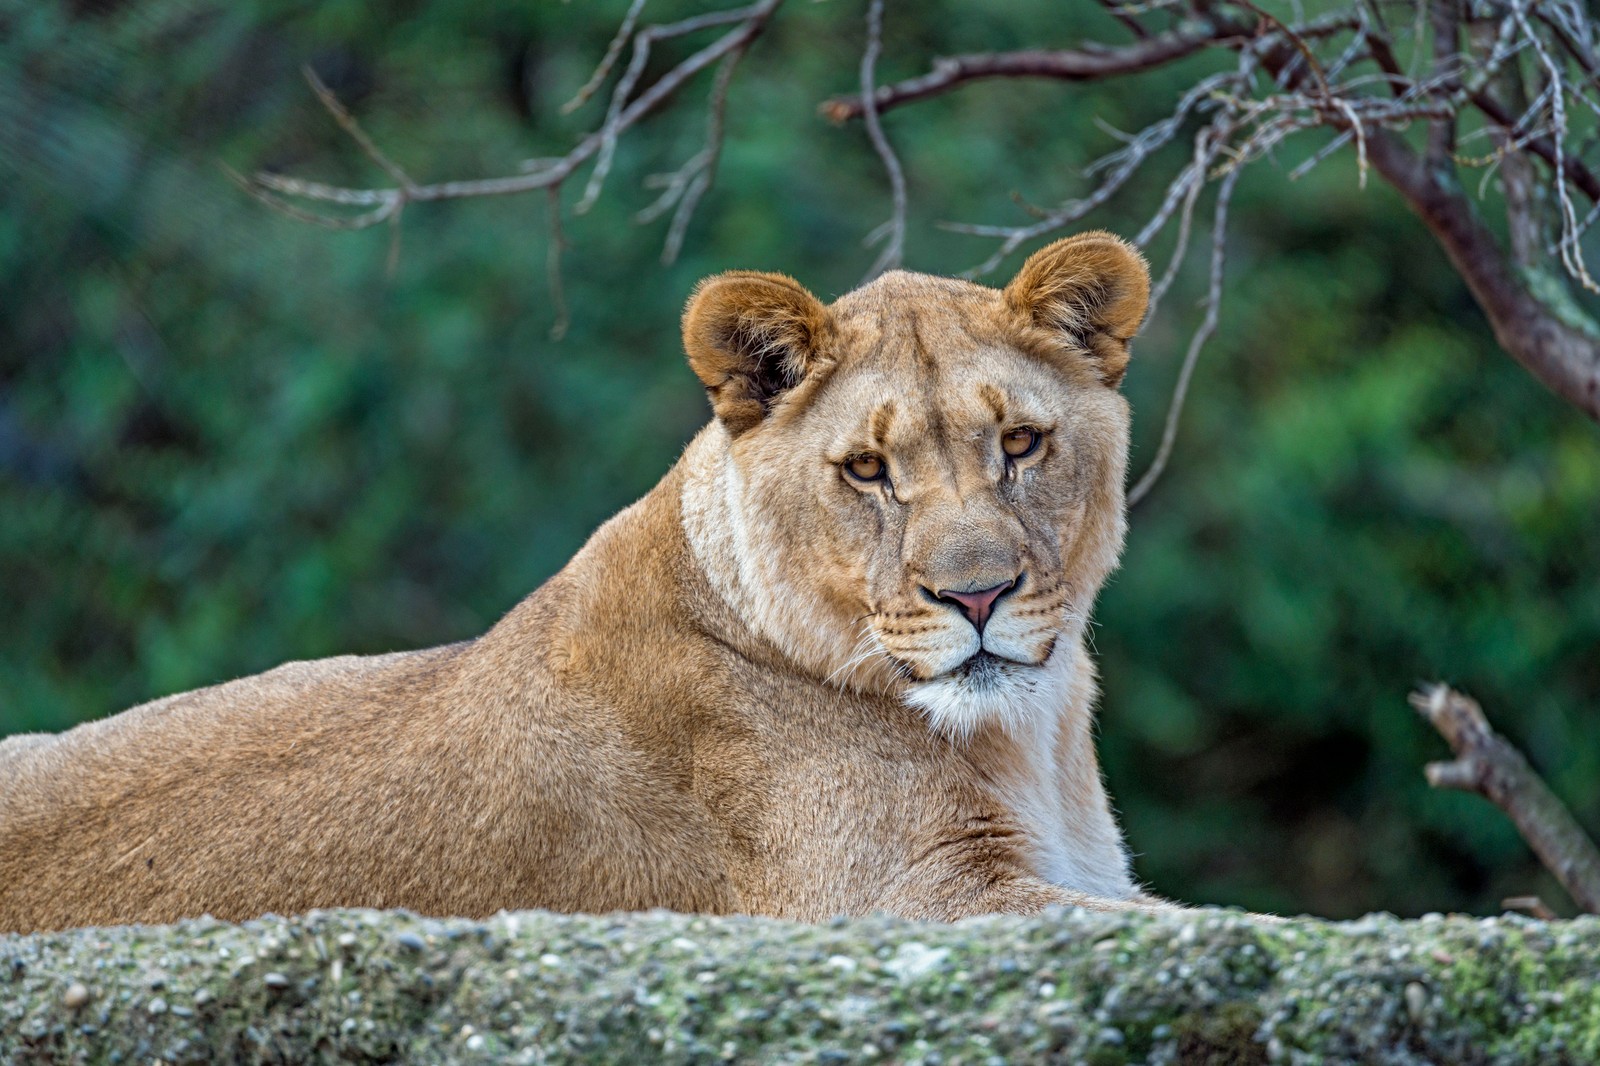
(989, 690)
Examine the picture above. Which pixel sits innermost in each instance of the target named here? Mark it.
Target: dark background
(228, 439)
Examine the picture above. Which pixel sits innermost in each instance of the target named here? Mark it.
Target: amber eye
(1018, 443)
(865, 467)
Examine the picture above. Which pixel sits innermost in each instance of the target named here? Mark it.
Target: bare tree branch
(643, 42)
(684, 188)
(1561, 348)
(952, 72)
(261, 187)
(1119, 166)
(1571, 253)
(1487, 764)
(1186, 189)
(1090, 63)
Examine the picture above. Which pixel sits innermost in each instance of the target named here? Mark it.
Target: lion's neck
(1043, 769)
(742, 562)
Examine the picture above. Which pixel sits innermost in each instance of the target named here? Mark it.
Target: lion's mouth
(983, 668)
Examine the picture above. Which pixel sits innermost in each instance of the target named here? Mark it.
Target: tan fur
(740, 696)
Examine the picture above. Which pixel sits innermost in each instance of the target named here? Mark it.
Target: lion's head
(918, 490)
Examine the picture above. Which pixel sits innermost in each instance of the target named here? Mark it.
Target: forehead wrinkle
(995, 398)
(919, 349)
(927, 373)
(883, 334)
(881, 422)
(941, 456)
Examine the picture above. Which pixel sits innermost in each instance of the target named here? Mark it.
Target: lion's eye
(1018, 443)
(865, 467)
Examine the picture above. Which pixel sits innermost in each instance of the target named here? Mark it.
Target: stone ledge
(1195, 987)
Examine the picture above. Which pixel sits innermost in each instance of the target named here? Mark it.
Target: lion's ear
(1094, 287)
(750, 338)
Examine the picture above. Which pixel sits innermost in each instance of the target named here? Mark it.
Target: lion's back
(141, 786)
(228, 704)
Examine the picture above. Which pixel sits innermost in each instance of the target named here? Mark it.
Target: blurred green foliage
(228, 439)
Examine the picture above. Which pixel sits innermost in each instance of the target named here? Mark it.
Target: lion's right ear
(1092, 289)
(750, 338)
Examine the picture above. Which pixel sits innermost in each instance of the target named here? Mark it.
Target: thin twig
(684, 187)
(552, 263)
(1579, 175)
(1571, 252)
(1090, 63)
(1532, 906)
(1444, 16)
(1191, 182)
(1567, 34)
(893, 232)
(259, 186)
(1208, 325)
(1119, 166)
(643, 41)
(602, 70)
(348, 123)
(706, 172)
(1361, 143)
(1117, 11)
(1295, 39)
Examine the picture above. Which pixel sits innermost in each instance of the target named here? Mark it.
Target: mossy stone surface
(1192, 987)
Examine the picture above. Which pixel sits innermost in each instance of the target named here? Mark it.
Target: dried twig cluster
(1510, 88)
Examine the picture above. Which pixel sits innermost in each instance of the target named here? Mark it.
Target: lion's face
(927, 482)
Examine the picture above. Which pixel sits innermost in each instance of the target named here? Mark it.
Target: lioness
(832, 664)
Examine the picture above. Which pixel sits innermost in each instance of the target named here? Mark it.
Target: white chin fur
(1010, 695)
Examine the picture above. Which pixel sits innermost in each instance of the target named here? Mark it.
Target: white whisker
(858, 655)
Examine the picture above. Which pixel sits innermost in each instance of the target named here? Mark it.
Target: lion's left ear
(751, 337)
(1094, 287)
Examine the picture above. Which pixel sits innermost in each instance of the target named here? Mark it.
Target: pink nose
(977, 606)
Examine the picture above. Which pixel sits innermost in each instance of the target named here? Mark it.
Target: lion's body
(683, 717)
